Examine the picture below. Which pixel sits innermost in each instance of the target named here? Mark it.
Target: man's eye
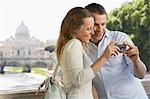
(103, 24)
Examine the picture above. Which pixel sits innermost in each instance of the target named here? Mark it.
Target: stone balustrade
(146, 84)
(23, 95)
(30, 94)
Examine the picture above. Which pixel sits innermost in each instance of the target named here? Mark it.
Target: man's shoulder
(116, 34)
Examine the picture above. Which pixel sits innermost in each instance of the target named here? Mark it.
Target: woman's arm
(109, 51)
(94, 91)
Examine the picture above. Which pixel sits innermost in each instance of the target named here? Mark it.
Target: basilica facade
(22, 45)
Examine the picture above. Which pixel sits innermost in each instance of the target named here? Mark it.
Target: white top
(77, 72)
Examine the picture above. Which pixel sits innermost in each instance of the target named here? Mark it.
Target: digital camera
(122, 47)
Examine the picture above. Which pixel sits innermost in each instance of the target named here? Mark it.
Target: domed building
(22, 32)
(23, 46)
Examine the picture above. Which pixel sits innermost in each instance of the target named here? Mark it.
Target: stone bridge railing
(26, 94)
(30, 94)
(146, 84)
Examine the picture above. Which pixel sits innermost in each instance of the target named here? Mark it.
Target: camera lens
(122, 47)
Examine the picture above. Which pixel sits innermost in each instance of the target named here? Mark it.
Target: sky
(42, 17)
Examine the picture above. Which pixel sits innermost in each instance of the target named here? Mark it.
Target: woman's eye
(89, 29)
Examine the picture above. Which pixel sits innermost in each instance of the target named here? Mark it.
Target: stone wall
(23, 95)
(146, 85)
(31, 94)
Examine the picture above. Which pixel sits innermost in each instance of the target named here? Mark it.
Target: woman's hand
(111, 49)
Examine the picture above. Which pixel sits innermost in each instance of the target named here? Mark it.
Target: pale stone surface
(24, 86)
(21, 86)
(146, 84)
(23, 95)
(17, 83)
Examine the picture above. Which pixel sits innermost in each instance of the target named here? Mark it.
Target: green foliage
(15, 69)
(39, 71)
(35, 70)
(50, 48)
(134, 19)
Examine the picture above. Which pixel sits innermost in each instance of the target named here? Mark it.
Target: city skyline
(42, 17)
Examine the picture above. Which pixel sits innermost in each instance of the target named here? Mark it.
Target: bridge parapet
(32, 61)
(29, 93)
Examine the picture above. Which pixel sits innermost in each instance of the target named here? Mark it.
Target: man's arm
(139, 67)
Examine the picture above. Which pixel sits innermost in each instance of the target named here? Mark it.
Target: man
(118, 78)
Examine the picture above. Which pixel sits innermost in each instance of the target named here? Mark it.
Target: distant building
(23, 46)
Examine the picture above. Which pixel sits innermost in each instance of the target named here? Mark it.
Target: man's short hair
(96, 8)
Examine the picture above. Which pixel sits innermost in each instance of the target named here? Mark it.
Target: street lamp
(26, 67)
(1, 63)
(1, 57)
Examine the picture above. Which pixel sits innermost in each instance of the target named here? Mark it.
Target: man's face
(99, 27)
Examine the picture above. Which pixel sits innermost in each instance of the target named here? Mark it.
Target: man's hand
(132, 52)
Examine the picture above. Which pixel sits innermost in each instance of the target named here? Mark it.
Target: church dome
(22, 32)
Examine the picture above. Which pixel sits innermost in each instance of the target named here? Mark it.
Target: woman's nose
(92, 32)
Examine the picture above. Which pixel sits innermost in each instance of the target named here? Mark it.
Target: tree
(133, 18)
(50, 48)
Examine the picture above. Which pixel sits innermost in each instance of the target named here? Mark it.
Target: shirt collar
(107, 33)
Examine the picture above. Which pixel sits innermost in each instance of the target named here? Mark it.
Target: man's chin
(97, 38)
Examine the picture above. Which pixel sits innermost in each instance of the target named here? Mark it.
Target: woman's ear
(74, 34)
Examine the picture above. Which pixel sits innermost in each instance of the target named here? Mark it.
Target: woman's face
(85, 32)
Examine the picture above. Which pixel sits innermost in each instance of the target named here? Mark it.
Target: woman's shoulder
(73, 44)
(75, 41)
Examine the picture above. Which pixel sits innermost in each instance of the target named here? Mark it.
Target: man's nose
(100, 28)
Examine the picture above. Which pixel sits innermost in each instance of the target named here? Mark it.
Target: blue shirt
(115, 80)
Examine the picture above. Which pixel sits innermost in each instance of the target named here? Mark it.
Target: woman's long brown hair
(72, 21)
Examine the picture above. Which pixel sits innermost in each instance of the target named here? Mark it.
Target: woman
(78, 70)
